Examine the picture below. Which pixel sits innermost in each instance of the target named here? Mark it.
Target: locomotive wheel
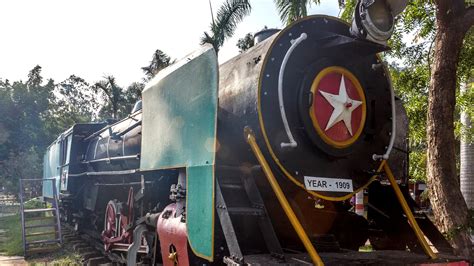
(111, 221)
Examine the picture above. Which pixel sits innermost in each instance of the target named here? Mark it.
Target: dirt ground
(12, 260)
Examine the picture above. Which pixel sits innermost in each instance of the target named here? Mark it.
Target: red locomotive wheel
(111, 222)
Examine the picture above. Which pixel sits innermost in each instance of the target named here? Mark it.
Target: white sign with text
(328, 184)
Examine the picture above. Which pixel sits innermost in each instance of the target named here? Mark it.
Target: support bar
(408, 213)
(282, 199)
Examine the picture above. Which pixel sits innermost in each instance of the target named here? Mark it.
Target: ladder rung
(231, 186)
(27, 219)
(40, 225)
(41, 233)
(50, 241)
(245, 211)
(39, 210)
(43, 249)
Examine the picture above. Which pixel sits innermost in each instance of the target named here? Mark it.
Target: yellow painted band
(264, 133)
(408, 213)
(283, 201)
(360, 91)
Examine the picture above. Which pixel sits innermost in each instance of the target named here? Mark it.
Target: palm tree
(228, 16)
(112, 93)
(159, 61)
(292, 10)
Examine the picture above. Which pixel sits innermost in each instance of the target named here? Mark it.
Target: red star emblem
(338, 109)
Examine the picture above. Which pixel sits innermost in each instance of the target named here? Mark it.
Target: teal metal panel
(51, 168)
(179, 130)
(200, 209)
(179, 114)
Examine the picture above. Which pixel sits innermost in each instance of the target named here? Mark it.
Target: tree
(24, 109)
(453, 20)
(132, 94)
(246, 42)
(415, 51)
(292, 10)
(13, 168)
(75, 102)
(159, 61)
(223, 27)
(118, 101)
(112, 93)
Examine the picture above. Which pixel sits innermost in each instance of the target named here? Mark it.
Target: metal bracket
(133, 248)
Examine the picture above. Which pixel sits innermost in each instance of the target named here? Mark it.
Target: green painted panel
(179, 130)
(179, 114)
(200, 209)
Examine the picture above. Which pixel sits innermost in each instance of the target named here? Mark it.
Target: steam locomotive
(183, 179)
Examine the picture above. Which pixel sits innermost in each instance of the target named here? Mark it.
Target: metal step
(41, 233)
(39, 210)
(28, 219)
(40, 225)
(245, 211)
(47, 221)
(232, 186)
(49, 241)
(43, 249)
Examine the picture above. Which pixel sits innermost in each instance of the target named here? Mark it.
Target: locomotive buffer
(34, 219)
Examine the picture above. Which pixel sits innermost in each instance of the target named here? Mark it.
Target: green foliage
(34, 113)
(159, 61)
(22, 164)
(245, 43)
(348, 9)
(410, 70)
(410, 61)
(230, 13)
(34, 203)
(24, 108)
(75, 102)
(118, 102)
(292, 10)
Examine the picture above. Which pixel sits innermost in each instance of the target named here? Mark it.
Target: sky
(94, 38)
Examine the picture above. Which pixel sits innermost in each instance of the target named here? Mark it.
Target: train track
(90, 249)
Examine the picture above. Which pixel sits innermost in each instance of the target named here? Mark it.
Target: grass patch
(11, 244)
(63, 256)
